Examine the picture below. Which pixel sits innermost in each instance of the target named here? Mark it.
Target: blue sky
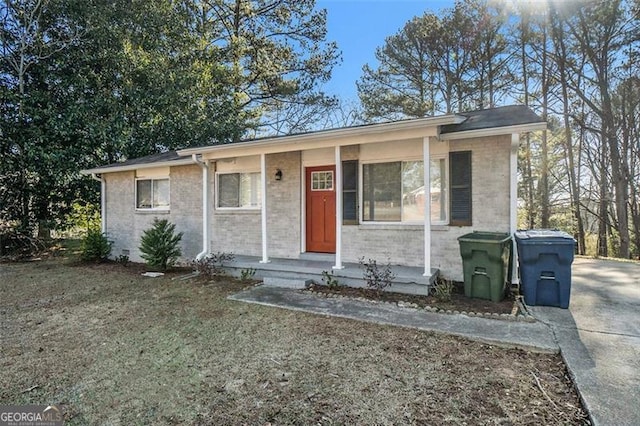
(359, 26)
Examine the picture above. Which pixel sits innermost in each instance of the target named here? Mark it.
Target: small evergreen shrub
(159, 244)
(95, 246)
(377, 277)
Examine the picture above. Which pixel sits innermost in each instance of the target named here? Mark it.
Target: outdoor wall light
(278, 174)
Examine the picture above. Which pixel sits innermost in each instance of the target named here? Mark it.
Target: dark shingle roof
(163, 157)
(512, 115)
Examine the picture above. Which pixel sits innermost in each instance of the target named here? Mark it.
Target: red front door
(321, 209)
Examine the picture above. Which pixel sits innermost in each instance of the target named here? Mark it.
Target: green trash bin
(485, 261)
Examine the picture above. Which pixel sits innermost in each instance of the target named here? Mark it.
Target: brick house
(330, 197)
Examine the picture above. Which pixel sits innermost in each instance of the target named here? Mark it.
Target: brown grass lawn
(113, 347)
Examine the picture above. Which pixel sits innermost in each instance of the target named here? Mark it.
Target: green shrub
(247, 274)
(95, 246)
(329, 279)
(159, 244)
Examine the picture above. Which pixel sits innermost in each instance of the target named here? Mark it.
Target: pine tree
(160, 244)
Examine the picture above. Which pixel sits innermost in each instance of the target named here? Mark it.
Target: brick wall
(404, 244)
(125, 225)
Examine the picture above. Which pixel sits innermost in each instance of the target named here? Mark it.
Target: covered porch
(297, 273)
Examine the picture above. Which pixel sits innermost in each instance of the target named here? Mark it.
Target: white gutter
(513, 208)
(103, 202)
(129, 167)
(333, 134)
(205, 206)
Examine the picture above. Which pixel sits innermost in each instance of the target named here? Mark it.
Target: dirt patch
(459, 302)
(114, 347)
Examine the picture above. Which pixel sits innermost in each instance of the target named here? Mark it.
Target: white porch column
(337, 184)
(427, 207)
(263, 210)
(513, 205)
(206, 208)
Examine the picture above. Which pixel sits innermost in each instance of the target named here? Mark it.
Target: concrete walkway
(599, 337)
(534, 336)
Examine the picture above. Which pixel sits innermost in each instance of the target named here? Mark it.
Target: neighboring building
(284, 197)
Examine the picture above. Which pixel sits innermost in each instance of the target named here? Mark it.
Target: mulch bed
(459, 302)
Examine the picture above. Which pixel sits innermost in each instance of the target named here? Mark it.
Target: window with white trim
(394, 191)
(152, 194)
(239, 191)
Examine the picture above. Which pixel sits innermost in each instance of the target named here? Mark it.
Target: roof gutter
(103, 202)
(204, 165)
(493, 131)
(332, 134)
(130, 167)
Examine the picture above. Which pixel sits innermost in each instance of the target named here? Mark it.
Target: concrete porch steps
(296, 273)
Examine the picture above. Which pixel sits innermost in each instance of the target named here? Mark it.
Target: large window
(239, 190)
(394, 192)
(152, 194)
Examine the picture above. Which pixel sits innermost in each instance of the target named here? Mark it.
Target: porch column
(427, 207)
(513, 205)
(337, 184)
(263, 210)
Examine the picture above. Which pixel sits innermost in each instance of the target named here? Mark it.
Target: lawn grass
(113, 347)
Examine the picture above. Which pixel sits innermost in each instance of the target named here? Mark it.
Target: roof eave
(131, 167)
(494, 131)
(333, 134)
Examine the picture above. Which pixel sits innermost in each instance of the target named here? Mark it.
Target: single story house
(331, 196)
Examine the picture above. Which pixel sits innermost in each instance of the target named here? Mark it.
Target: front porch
(309, 267)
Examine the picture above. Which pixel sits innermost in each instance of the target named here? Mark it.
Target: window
(394, 192)
(152, 194)
(239, 190)
(322, 181)
(350, 192)
(460, 170)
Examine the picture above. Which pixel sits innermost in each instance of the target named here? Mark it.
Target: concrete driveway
(599, 336)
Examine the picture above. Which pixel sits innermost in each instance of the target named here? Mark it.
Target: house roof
(506, 117)
(488, 122)
(169, 158)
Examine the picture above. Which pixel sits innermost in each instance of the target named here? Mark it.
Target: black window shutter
(460, 176)
(350, 192)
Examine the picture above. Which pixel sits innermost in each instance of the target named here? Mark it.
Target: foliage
(123, 260)
(17, 242)
(247, 274)
(439, 64)
(329, 279)
(442, 290)
(86, 82)
(83, 217)
(212, 265)
(95, 246)
(160, 245)
(377, 277)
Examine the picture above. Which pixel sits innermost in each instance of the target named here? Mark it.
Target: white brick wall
(125, 225)
(239, 231)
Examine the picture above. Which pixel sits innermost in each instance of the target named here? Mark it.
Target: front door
(321, 209)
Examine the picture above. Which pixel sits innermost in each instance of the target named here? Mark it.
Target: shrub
(377, 277)
(159, 244)
(212, 265)
(95, 246)
(330, 280)
(16, 242)
(442, 290)
(247, 274)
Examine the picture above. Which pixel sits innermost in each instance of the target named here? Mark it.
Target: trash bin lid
(544, 235)
(485, 237)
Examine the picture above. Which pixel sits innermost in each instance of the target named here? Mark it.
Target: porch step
(286, 282)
